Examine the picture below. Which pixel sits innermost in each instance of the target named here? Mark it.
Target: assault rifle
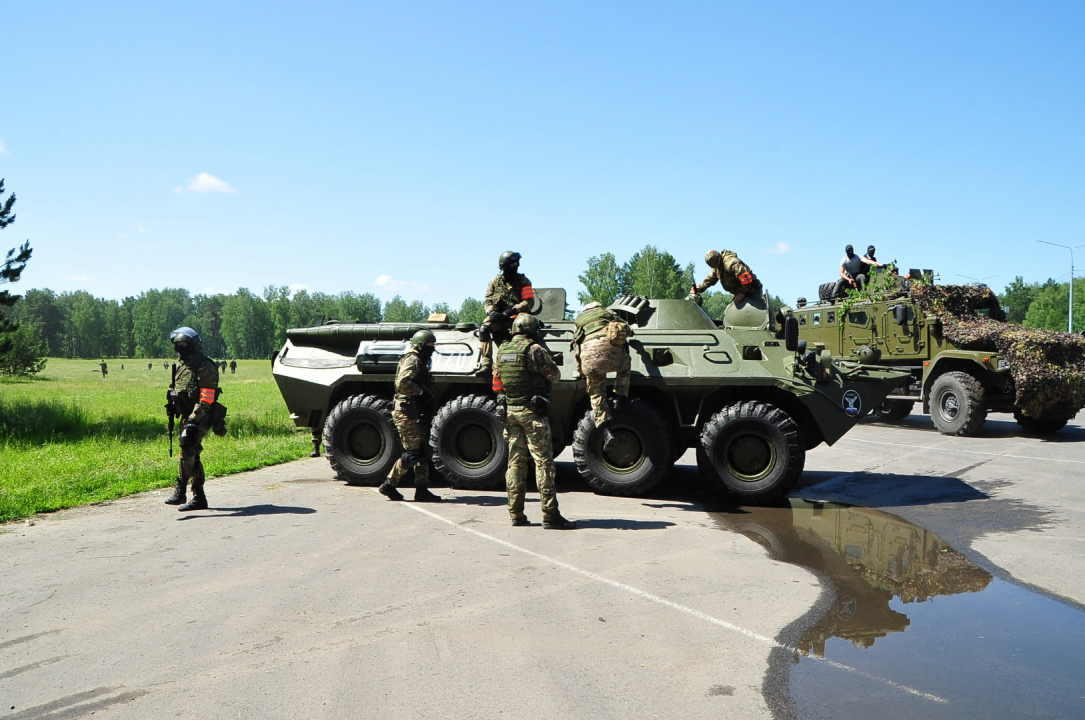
(171, 399)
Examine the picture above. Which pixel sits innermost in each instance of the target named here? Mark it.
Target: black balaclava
(512, 269)
(185, 351)
(870, 252)
(849, 251)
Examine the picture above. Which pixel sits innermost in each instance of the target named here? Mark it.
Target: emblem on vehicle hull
(852, 403)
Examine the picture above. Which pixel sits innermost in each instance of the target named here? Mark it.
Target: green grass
(69, 437)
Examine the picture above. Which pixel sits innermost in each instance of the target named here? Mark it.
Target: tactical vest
(424, 379)
(591, 324)
(518, 376)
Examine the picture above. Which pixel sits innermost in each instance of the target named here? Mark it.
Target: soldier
(869, 261)
(222, 366)
(166, 364)
(522, 380)
(233, 366)
(602, 347)
(411, 414)
(507, 295)
(851, 273)
(736, 276)
(195, 392)
(104, 368)
(149, 365)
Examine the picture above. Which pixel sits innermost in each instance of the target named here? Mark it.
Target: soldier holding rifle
(192, 395)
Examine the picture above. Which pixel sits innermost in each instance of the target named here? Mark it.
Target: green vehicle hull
(731, 390)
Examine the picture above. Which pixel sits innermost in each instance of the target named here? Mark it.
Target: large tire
(1040, 426)
(361, 441)
(895, 410)
(957, 406)
(641, 458)
(468, 443)
(751, 451)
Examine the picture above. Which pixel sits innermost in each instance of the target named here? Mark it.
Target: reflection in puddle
(911, 610)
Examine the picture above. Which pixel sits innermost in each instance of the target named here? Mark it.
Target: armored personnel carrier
(744, 391)
(964, 361)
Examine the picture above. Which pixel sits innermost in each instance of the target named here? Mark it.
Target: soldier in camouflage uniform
(602, 348)
(411, 414)
(522, 380)
(507, 295)
(736, 276)
(196, 390)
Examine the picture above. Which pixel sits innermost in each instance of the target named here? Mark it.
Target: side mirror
(801, 347)
(900, 314)
(791, 333)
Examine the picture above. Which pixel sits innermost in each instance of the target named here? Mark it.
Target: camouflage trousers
(190, 465)
(499, 333)
(527, 432)
(413, 436)
(597, 358)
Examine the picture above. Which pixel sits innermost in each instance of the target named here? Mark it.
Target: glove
(496, 316)
(509, 314)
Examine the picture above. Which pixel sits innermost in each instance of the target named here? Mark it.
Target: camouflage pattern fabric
(1048, 367)
(729, 271)
(597, 358)
(190, 465)
(528, 433)
(194, 373)
(411, 436)
(501, 295)
(413, 378)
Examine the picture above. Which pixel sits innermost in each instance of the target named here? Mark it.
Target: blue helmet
(185, 334)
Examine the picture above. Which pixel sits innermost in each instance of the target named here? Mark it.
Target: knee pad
(484, 333)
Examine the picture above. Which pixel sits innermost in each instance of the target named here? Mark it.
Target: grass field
(71, 437)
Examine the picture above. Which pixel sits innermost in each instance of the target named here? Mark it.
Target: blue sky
(401, 147)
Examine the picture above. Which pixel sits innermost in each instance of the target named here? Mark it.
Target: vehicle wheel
(751, 451)
(360, 439)
(1041, 426)
(957, 404)
(894, 410)
(468, 443)
(639, 459)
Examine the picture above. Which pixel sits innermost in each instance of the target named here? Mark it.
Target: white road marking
(671, 604)
(963, 452)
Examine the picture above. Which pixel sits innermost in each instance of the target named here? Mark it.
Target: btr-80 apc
(741, 391)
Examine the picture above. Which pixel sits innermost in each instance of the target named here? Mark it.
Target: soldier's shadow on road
(484, 500)
(252, 511)
(619, 524)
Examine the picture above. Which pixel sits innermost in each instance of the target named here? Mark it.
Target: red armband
(207, 395)
(498, 386)
(745, 278)
(528, 293)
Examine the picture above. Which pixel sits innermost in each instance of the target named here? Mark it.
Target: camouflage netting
(1048, 367)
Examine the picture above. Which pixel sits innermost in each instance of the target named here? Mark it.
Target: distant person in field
(149, 365)
(166, 364)
(233, 366)
(104, 368)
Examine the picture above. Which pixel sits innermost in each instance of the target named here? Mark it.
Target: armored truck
(743, 391)
(957, 382)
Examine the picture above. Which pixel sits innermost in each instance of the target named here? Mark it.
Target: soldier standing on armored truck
(411, 413)
(507, 295)
(524, 372)
(196, 388)
(600, 336)
(736, 276)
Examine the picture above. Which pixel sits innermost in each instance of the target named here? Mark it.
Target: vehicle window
(857, 318)
(817, 318)
(830, 317)
(802, 319)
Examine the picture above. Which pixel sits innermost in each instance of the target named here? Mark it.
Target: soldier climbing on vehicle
(507, 295)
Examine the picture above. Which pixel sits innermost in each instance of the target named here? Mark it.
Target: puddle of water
(911, 610)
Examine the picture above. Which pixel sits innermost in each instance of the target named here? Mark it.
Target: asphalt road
(300, 597)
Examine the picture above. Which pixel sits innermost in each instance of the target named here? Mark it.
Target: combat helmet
(188, 335)
(422, 338)
(712, 258)
(525, 324)
(507, 257)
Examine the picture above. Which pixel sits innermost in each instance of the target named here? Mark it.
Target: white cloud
(122, 235)
(3, 148)
(781, 248)
(295, 288)
(387, 282)
(205, 182)
(80, 278)
(141, 229)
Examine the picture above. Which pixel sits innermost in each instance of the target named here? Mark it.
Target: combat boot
(608, 440)
(388, 491)
(178, 497)
(422, 494)
(198, 501)
(520, 521)
(557, 522)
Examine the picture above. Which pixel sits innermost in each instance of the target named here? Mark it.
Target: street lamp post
(1070, 324)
